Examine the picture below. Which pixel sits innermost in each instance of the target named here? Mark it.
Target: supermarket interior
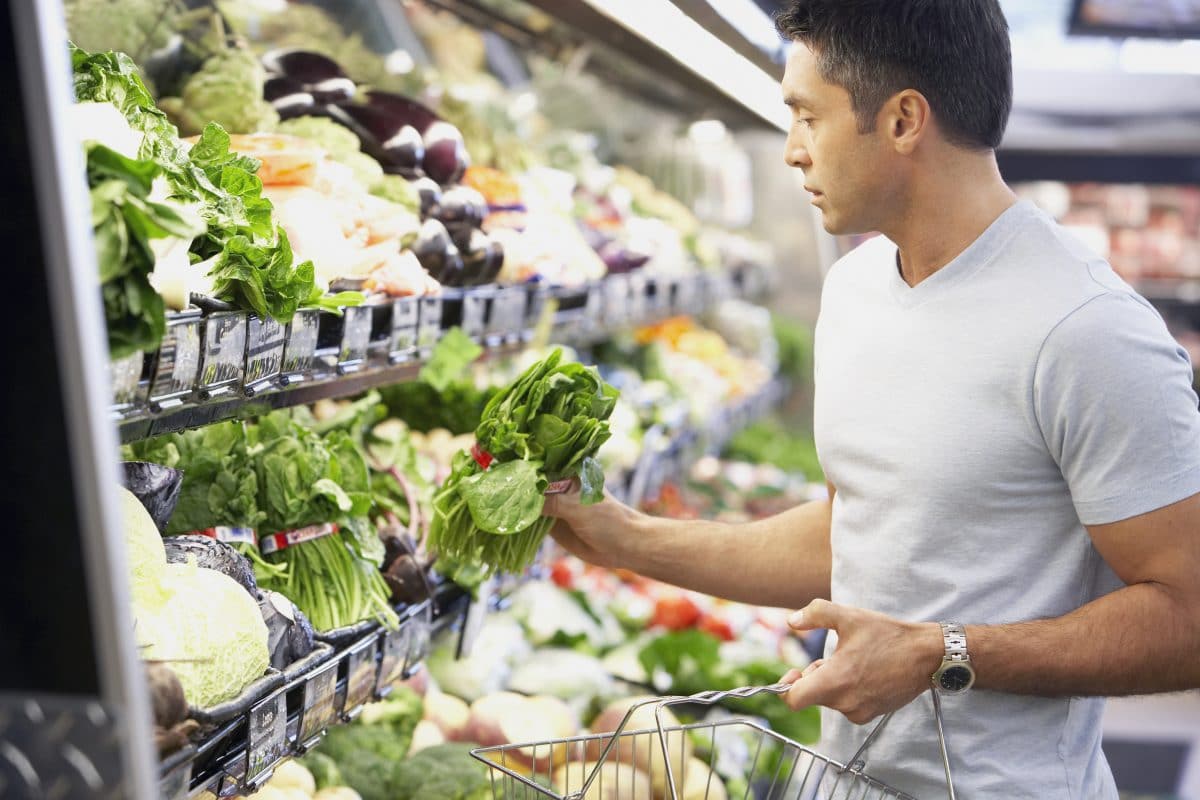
(326, 305)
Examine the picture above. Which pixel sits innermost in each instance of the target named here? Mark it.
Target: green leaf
(591, 479)
(451, 357)
(505, 499)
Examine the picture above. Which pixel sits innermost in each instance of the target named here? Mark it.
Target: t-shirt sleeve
(1113, 397)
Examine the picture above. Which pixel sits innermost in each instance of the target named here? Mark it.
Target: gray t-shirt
(972, 425)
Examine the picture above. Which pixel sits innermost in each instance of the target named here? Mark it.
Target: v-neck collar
(976, 255)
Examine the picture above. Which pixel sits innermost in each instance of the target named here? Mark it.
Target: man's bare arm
(1140, 639)
(784, 560)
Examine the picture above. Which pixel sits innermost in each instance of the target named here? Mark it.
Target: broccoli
(442, 772)
(324, 769)
(368, 753)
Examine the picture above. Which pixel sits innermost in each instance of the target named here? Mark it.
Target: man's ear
(905, 120)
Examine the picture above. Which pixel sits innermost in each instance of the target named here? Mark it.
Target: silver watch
(956, 674)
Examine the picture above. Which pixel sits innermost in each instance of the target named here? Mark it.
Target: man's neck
(944, 215)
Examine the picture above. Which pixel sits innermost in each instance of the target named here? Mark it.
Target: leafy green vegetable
(693, 660)
(769, 441)
(227, 90)
(124, 220)
(306, 479)
(451, 356)
(552, 418)
(506, 498)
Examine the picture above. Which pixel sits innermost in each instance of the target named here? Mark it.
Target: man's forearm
(1141, 639)
(782, 561)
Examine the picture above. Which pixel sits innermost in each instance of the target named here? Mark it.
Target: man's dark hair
(954, 52)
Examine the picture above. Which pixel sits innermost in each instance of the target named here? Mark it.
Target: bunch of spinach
(124, 220)
(304, 479)
(545, 427)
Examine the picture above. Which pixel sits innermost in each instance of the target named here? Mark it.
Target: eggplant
(437, 253)
(346, 116)
(214, 555)
(462, 211)
(402, 110)
(155, 486)
(333, 90)
(288, 97)
(430, 193)
(289, 632)
(305, 66)
(405, 150)
(482, 259)
(446, 156)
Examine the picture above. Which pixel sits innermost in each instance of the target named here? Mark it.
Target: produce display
(257, 157)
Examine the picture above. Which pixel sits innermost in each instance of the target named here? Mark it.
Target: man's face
(847, 172)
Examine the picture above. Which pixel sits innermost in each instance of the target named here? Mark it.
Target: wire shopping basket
(657, 763)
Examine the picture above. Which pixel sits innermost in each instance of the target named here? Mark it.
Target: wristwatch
(956, 674)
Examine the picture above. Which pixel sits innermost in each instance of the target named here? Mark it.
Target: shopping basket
(657, 764)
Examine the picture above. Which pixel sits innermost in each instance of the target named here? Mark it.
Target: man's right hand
(594, 532)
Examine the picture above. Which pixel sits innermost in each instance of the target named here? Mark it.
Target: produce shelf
(231, 365)
(241, 754)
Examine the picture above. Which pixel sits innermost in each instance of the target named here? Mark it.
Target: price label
(268, 743)
(637, 298)
(394, 654)
(507, 316)
(356, 336)
(320, 709)
(429, 324)
(405, 317)
(125, 375)
(474, 312)
(616, 299)
(539, 294)
(299, 352)
(174, 786)
(178, 360)
(593, 309)
(265, 340)
(223, 358)
(361, 681)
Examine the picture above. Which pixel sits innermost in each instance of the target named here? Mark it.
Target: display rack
(231, 364)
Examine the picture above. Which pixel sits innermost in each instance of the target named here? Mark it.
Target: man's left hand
(880, 664)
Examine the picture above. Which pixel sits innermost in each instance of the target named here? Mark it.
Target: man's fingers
(816, 688)
(817, 614)
(791, 676)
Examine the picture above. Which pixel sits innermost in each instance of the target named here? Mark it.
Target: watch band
(954, 635)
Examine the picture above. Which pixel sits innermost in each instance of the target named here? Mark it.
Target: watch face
(955, 679)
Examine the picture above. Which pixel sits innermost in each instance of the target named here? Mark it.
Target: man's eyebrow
(793, 100)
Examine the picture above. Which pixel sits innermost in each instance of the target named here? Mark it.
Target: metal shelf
(230, 365)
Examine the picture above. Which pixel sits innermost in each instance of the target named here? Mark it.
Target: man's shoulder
(868, 261)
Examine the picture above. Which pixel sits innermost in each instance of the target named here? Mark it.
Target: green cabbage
(144, 549)
(334, 139)
(207, 628)
(228, 90)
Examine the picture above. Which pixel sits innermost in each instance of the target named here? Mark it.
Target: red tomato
(717, 627)
(675, 613)
(562, 574)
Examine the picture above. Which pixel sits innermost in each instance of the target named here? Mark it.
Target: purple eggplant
(431, 196)
(401, 110)
(288, 97)
(446, 156)
(332, 90)
(482, 259)
(306, 66)
(438, 254)
(462, 211)
(405, 150)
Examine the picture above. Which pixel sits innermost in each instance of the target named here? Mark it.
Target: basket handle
(857, 762)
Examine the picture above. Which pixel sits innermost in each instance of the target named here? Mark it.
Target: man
(1010, 435)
